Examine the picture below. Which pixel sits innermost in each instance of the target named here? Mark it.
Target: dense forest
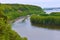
(9, 12)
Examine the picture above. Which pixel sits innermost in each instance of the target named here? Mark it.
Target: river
(26, 29)
(53, 10)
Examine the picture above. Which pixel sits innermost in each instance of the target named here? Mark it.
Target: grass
(51, 19)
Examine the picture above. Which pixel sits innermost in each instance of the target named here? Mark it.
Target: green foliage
(24, 38)
(14, 36)
(55, 14)
(15, 10)
(46, 20)
(6, 33)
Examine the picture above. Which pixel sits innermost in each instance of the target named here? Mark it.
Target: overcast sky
(42, 3)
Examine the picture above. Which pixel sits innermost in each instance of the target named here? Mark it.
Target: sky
(42, 3)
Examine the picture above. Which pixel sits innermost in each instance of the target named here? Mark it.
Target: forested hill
(9, 12)
(20, 10)
(21, 7)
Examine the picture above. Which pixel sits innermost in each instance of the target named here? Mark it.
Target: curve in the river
(25, 29)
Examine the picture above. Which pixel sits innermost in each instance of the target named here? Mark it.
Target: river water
(54, 10)
(26, 29)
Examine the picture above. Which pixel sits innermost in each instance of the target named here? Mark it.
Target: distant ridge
(52, 8)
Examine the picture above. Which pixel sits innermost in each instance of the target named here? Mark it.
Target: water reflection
(52, 27)
(49, 11)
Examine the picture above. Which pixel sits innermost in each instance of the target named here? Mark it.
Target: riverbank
(22, 19)
(50, 19)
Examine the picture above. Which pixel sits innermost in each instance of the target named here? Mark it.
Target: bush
(6, 33)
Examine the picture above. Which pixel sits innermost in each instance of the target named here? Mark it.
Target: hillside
(16, 10)
(10, 12)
